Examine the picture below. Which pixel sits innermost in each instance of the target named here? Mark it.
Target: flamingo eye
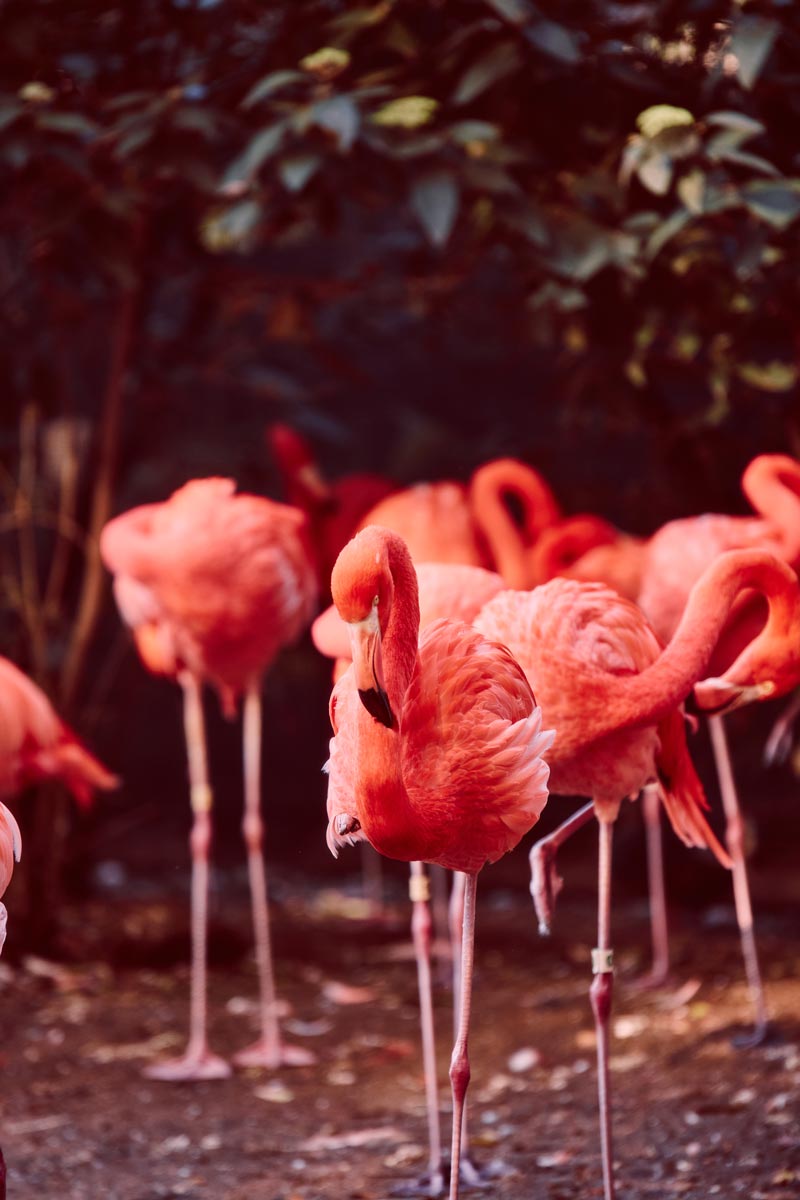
(376, 601)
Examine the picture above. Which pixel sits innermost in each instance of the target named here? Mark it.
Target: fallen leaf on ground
(359, 1137)
(345, 993)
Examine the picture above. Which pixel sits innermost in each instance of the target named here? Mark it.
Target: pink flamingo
(35, 744)
(614, 698)
(437, 747)
(457, 592)
(213, 585)
(448, 522)
(333, 508)
(10, 850)
(676, 556)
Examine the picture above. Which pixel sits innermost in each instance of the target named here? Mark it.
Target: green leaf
(501, 60)
(655, 173)
(735, 120)
(666, 230)
(464, 132)
(516, 12)
(265, 143)
(63, 122)
(230, 228)
(296, 171)
(654, 120)
(196, 120)
(9, 113)
(435, 199)
(775, 376)
(741, 158)
(555, 40)
(751, 42)
(132, 141)
(340, 116)
(407, 112)
(274, 82)
(328, 62)
(691, 189)
(776, 203)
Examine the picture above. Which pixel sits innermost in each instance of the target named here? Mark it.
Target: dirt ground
(694, 1117)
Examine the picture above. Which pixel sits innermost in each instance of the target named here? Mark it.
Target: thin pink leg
(546, 883)
(372, 879)
(269, 1050)
(459, 1063)
(741, 887)
(600, 995)
(442, 946)
(421, 933)
(197, 1062)
(469, 1172)
(659, 933)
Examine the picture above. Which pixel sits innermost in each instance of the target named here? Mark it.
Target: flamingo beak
(717, 696)
(16, 836)
(365, 642)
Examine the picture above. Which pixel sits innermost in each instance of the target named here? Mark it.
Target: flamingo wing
(472, 745)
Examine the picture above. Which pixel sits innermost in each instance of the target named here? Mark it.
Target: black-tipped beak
(365, 641)
(376, 702)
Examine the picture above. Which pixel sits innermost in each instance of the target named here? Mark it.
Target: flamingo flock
(489, 652)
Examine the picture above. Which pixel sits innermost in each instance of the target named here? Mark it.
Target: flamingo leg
(459, 1062)
(269, 1050)
(421, 932)
(545, 882)
(441, 940)
(600, 995)
(741, 887)
(659, 931)
(197, 1062)
(372, 879)
(470, 1174)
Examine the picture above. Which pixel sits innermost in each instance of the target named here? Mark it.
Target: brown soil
(693, 1117)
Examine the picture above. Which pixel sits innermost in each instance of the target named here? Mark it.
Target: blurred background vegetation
(427, 233)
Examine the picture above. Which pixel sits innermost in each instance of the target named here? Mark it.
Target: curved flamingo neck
(509, 543)
(771, 483)
(560, 547)
(400, 634)
(650, 696)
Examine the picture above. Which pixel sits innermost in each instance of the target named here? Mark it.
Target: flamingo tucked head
(769, 660)
(362, 586)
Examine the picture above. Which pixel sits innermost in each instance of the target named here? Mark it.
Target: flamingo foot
(545, 884)
(194, 1064)
(437, 1183)
(654, 980)
(272, 1054)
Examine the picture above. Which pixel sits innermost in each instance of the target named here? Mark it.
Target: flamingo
(448, 522)
(213, 585)
(437, 748)
(676, 556)
(587, 548)
(10, 850)
(458, 592)
(615, 699)
(35, 744)
(333, 508)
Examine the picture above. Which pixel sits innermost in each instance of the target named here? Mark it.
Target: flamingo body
(230, 577)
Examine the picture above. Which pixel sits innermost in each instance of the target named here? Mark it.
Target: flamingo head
(363, 592)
